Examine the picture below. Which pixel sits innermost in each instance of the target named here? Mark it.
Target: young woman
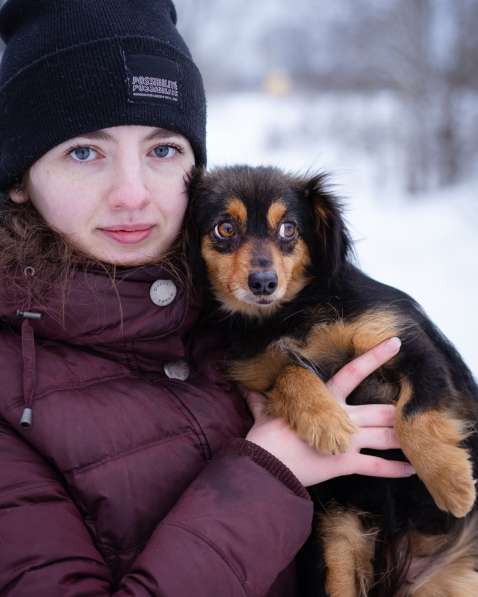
(129, 465)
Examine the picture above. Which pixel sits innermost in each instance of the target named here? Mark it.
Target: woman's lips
(128, 235)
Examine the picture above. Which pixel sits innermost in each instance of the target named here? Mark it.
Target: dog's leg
(301, 398)
(445, 566)
(348, 553)
(452, 581)
(432, 441)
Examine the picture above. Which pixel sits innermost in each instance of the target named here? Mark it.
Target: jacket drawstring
(29, 358)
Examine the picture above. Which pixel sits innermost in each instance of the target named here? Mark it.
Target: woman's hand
(375, 422)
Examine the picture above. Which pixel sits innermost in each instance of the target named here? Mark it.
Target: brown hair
(29, 246)
(34, 258)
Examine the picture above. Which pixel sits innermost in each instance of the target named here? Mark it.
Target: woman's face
(117, 194)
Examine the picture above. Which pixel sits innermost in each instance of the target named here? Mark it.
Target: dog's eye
(287, 231)
(225, 230)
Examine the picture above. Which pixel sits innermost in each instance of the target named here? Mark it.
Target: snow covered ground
(427, 247)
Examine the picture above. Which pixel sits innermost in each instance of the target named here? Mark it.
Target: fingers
(376, 438)
(349, 377)
(372, 466)
(372, 415)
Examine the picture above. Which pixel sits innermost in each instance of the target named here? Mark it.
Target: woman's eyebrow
(160, 134)
(104, 136)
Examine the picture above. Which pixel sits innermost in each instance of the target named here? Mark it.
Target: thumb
(255, 401)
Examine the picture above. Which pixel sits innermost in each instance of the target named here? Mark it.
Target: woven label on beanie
(152, 79)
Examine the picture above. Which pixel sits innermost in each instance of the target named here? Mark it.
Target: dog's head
(262, 235)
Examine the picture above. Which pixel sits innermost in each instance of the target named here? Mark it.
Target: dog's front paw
(303, 400)
(330, 431)
(327, 429)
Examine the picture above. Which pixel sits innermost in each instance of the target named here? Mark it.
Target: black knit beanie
(75, 66)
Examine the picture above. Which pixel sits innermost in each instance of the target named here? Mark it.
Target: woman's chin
(118, 254)
(129, 260)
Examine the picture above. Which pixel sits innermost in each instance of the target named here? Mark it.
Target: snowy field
(426, 245)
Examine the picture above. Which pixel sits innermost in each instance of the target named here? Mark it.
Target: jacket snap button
(177, 370)
(163, 292)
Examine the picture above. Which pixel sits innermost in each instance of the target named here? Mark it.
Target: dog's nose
(262, 282)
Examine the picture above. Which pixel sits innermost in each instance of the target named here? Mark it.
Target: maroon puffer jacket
(131, 480)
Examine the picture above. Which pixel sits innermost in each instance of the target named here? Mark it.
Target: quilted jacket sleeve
(236, 527)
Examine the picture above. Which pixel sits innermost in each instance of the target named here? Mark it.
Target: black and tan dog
(277, 255)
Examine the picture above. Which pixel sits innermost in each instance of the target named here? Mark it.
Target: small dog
(277, 255)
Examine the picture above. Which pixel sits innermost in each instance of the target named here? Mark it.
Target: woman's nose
(128, 190)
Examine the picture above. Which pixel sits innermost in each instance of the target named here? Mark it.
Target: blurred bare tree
(425, 51)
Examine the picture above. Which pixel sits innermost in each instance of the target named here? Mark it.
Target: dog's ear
(334, 240)
(191, 238)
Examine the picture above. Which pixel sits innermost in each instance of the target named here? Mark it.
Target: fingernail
(409, 470)
(395, 343)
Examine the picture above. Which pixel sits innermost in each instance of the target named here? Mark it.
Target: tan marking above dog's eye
(224, 230)
(287, 231)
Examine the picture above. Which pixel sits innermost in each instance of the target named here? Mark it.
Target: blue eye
(165, 151)
(83, 154)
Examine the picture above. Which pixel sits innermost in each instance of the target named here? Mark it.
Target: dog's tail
(431, 566)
